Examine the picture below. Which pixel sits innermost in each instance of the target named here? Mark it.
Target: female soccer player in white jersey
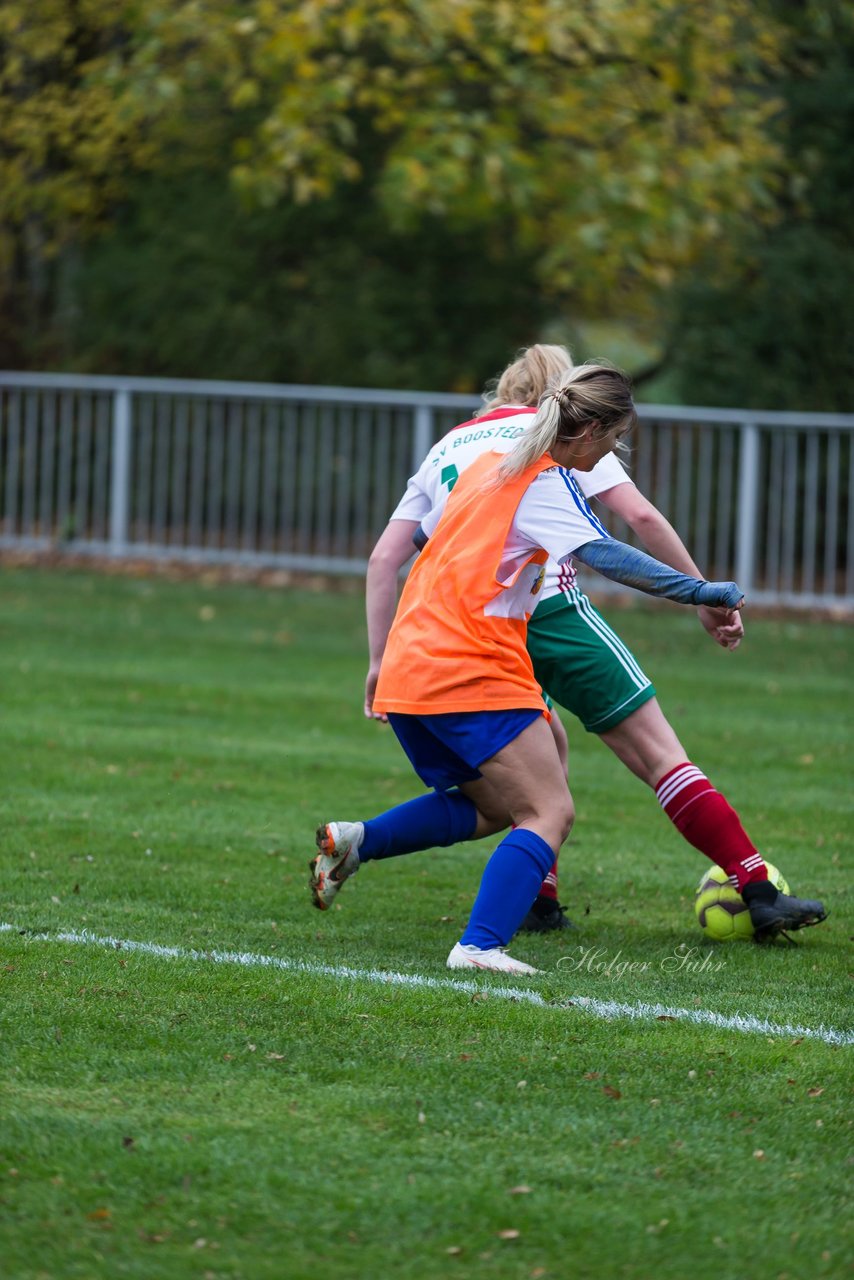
(577, 658)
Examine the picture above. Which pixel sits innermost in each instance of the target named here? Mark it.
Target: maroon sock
(548, 889)
(708, 821)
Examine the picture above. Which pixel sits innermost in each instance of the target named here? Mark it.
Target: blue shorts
(448, 749)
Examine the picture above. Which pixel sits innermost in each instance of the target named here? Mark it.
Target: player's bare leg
(648, 746)
(646, 743)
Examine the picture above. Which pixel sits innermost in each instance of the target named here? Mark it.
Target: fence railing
(305, 477)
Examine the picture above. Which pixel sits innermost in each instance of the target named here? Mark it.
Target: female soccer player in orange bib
(456, 680)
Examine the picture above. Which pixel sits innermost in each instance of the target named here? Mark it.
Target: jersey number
(450, 476)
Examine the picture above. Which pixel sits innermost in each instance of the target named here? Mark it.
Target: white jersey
(427, 491)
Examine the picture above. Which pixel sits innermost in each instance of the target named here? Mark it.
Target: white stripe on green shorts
(598, 624)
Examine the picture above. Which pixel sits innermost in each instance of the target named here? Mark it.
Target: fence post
(422, 437)
(748, 505)
(120, 473)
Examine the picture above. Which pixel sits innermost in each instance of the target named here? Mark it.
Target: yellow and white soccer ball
(720, 909)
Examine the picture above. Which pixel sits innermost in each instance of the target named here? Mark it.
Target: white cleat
(496, 959)
(338, 859)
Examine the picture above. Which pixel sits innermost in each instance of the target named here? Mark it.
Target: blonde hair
(597, 395)
(525, 380)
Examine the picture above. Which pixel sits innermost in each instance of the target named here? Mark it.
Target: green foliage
(596, 152)
(188, 283)
(355, 190)
(772, 326)
(773, 336)
(618, 139)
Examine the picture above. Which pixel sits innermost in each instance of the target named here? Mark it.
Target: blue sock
(510, 883)
(438, 819)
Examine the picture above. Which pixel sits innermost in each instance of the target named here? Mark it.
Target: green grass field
(168, 749)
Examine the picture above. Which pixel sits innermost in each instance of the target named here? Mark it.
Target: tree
(72, 121)
(598, 148)
(775, 328)
(619, 138)
(189, 284)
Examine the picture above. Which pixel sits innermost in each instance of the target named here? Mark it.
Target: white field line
(640, 1011)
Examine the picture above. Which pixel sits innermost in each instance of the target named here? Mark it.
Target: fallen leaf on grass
(519, 1191)
(99, 1215)
(509, 1234)
(149, 1238)
(611, 1092)
(814, 1093)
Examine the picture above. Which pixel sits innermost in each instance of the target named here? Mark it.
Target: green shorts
(583, 664)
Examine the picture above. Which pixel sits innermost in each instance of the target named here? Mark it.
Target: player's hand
(370, 690)
(725, 626)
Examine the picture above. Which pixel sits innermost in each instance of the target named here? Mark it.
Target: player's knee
(566, 816)
(559, 819)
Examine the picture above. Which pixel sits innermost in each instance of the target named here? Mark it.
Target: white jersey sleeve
(554, 514)
(607, 474)
(429, 522)
(416, 501)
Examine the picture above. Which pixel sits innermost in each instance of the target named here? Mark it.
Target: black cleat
(773, 918)
(545, 916)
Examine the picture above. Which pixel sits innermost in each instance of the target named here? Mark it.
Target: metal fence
(305, 477)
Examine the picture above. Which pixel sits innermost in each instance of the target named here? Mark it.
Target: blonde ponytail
(597, 395)
(526, 378)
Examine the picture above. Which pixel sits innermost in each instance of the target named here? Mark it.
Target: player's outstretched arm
(661, 540)
(622, 563)
(393, 549)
